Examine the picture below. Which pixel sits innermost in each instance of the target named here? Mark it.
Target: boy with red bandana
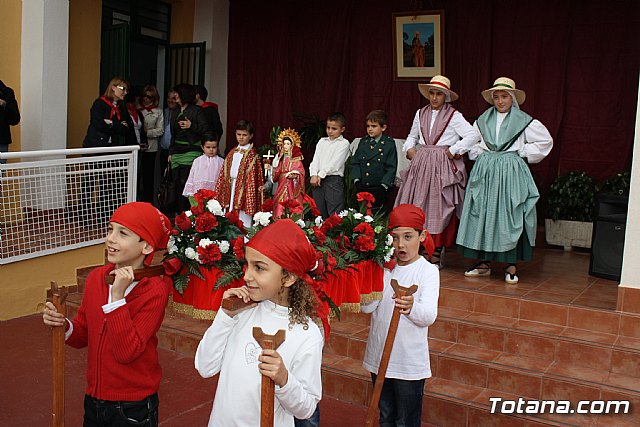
(119, 322)
(401, 398)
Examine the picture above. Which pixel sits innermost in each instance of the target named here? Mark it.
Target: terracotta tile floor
(553, 275)
(185, 398)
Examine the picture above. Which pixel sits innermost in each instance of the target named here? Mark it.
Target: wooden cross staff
(267, 397)
(400, 291)
(58, 298)
(151, 271)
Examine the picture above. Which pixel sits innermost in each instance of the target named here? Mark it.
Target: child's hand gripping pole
(270, 342)
(58, 298)
(151, 271)
(400, 291)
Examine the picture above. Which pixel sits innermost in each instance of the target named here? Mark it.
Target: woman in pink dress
(288, 170)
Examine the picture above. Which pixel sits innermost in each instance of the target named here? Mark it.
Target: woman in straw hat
(436, 178)
(498, 220)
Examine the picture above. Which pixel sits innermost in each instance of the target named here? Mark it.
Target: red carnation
(210, 254)
(331, 222)
(364, 228)
(312, 205)
(319, 235)
(267, 206)
(364, 244)
(183, 222)
(197, 210)
(331, 262)
(238, 247)
(174, 232)
(234, 219)
(293, 206)
(203, 195)
(172, 266)
(363, 196)
(206, 222)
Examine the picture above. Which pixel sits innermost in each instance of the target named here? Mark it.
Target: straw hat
(442, 84)
(504, 83)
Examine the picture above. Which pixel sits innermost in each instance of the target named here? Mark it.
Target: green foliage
(571, 197)
(618, 185)
(312, 129)
(349, 187)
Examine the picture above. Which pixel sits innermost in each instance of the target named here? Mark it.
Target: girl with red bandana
(277, 280)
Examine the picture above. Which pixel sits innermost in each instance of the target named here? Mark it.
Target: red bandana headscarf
(147, 222)
(408, 215)
(284, 243)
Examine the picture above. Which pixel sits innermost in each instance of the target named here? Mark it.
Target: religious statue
(288, 170)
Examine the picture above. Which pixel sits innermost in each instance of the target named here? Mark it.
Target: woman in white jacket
(153, 126)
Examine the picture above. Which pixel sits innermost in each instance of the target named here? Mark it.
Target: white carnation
(171, 245)
(389, 240)
(205, 242)
(358, 215)
(262, 218)
(215, 207)
(265, 219)
(300, 223)
(190, 253)
(368, 218)
(188, 213)
(224, 246)
(319, 221)
(343, 214)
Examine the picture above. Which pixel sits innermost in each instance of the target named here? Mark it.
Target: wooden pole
(400, 291)
(267, 397)
(58, 297)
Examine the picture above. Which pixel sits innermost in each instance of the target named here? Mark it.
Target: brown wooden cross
(140, 273)
(400, 291)
(234, 303)
(58, 298)
(267, 342)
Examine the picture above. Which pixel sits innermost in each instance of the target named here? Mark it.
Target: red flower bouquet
(204, 237)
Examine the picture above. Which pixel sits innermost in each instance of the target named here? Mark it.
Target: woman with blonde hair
(110, 123)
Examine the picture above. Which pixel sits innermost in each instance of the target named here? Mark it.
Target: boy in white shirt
(327, 167)
(401, 398)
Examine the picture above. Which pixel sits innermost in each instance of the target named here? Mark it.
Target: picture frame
(418, 44)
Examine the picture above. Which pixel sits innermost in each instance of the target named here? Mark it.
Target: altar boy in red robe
(239, 183)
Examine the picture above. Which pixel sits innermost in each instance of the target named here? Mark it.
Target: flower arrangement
(343, 239)
(206, 237)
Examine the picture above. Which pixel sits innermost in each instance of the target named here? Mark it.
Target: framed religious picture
(418, 44)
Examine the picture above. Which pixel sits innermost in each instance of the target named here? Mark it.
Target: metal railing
(57, 200)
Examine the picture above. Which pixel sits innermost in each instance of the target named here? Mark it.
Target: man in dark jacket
(9, 115)
(209, 109)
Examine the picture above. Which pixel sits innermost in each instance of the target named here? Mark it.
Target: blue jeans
(312, 421)
(400, 402)
(107, 413)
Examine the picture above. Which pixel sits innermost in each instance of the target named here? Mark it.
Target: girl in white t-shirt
(278, 283)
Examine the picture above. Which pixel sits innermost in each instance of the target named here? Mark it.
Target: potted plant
(569, 220)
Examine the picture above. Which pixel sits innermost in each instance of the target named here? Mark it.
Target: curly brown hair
(302, 302)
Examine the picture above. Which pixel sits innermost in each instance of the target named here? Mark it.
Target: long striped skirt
(498, 220)
(436, 184)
